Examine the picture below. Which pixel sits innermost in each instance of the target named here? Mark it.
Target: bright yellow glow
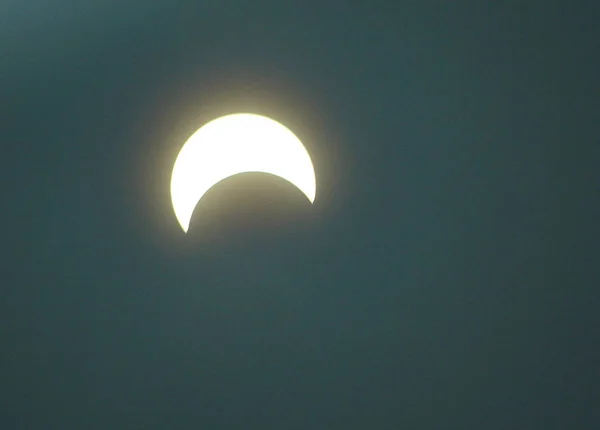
(236, 144)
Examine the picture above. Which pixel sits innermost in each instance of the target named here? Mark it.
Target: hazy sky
(446, 277)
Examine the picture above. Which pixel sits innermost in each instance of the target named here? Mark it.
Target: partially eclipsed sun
(236, 144)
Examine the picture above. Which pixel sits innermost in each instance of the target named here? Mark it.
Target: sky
(446, 276)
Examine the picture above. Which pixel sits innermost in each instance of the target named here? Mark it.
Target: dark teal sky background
(446, 277)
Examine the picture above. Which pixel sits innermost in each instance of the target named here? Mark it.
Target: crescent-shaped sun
(235, 144)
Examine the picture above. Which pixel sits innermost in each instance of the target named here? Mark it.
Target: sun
(234, 144)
